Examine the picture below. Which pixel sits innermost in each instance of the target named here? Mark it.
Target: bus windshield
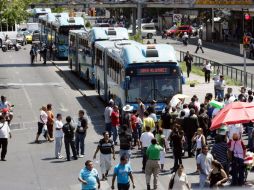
(153, 88)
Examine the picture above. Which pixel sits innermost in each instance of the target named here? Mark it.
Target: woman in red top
(135, 129)
(115, 122)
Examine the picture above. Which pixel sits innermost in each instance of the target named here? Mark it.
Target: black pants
(199, 47)
(189, 143)
(70, 142)
(32, 59)
(122, 186)
(3, 145)
(144, 158)
(177, 158)
(207, 75)
(188, 71)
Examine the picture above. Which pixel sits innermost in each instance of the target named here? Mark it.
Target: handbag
(171, 182)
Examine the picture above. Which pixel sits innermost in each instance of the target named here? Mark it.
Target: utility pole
(139, 15)
(244, 68)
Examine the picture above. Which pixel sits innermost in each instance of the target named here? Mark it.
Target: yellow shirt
(148, 122)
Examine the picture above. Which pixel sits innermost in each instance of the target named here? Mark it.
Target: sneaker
(60, 157)
(81, 155)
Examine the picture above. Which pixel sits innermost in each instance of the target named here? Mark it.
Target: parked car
(36, 35)
(28, 36)
(148, 30)
(21, 38)
(172, 31)
(184, 28)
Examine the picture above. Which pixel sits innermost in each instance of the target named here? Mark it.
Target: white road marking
(29, 102)
(32, 84)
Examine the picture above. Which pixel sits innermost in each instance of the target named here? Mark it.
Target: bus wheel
(1, 43)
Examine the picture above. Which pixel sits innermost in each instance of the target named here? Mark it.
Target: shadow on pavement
(28, 65)
(51, 158)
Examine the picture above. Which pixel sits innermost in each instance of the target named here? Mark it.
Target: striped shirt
(219, 151)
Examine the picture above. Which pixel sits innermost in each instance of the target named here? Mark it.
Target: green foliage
(137, 37)
(13, 11)
(58, 10)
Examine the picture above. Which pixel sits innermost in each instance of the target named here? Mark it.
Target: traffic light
(247, 17)
(246, 41)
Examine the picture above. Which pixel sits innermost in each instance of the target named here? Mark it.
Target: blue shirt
(122, 172)
(90, 177)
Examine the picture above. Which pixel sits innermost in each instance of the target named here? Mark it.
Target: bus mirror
(127, 83)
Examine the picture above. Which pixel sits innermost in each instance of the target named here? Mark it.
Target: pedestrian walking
(5, 133)
(126, 118)
(166, 125)
(106, 148)
(145, 142)
(179, 180)
(207, 69)
(135, 133)
(185, 38)
(43, 52)
(50, 123)
(68, 130)
(32, 54)
(220, 87)
(89, 177)
(148, 121)
(80, 134)
(125, 142)
(176, 137)
(123, 172)
(42, 124)
(115, 118)
(204, 165)
(153, 164)
(141, 108)
(162, 142)
(107, 116)
(188, 61)
(217, 176)
(238, 152)
(58, 136)
(199, 46)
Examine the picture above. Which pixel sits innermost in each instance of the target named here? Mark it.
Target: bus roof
(41, 10)
(68, 21)
(74, 32)
(140, 53)
(109, 33)
(112, 44)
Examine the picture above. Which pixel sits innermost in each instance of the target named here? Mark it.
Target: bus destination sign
(148, 71)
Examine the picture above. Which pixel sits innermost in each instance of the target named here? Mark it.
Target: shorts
(40, 127)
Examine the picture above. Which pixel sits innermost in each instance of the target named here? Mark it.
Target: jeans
(58, 146)
(237, 171)
(70, 142)
(108, 128)
(3, 145)
(80, 141)
(220, 94)
(144, 157)
(114, 131)
(202, 181)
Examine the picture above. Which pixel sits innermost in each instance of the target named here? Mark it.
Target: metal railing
(226, 70)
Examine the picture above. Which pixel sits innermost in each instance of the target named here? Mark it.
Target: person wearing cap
(5, 133)
(153, 163)
(89, 177)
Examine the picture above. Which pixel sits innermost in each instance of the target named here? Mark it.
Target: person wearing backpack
(68, 130)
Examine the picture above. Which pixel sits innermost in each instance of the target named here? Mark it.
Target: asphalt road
(32, 166)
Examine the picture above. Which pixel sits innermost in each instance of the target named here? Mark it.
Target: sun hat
(127, 108)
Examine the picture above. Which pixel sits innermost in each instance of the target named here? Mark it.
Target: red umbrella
(236, 112)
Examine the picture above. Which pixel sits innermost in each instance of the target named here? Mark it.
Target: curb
(91, 102)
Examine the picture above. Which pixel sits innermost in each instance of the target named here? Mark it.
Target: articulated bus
(85, 49)
(132, 70)
(60, 29)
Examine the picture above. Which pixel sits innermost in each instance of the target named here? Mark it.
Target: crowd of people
(181, 128)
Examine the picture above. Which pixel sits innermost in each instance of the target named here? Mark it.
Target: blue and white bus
(133, 70)
(61, 27)
(36, 12)
(87, 49)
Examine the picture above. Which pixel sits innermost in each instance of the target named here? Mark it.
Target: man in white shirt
(199, 46)
(107, 116)
(145, 141)
(58, 136)
(5, 133)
